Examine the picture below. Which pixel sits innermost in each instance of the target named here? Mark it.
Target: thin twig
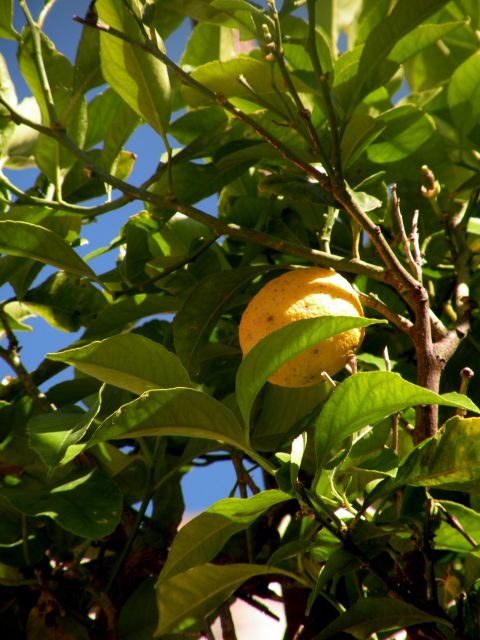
(191, 257)
(217, 97)
(373, 302)
(304, 113)
(466, 374)
(405, 240)
(454, 522)
(415, 242)
(218, 226)
(226, 621)
(37, 50)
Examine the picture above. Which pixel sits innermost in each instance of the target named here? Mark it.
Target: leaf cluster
(306, 126)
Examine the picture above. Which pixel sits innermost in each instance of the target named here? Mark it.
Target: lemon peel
(304, 293)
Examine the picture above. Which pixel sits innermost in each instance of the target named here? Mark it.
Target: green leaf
(223, 77)
(175, 412)
(365, 201)
(369, 615)
(360, 132)
(420, 38)
(53, 158)
(297, 451)
(208, 42)
(201, 310)
(192, 595)
(87, 73)
(464, 94)
(280, 346)
(297, 187)
(404, 17)
(88, 504)
(52, 434)
(138, 617)
(38, 243)
(405, 129)
(367, 398)
(284, 413)
(126, 310)
(65, 301)
(338, 564)
(193, 124)
(129, 361)
(203, 537)
(6, 21)
(137, 76)
(454, 463)
(449, 537)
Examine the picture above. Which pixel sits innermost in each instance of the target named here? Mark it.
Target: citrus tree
(359, 493)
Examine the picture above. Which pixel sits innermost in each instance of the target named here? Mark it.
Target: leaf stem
(39, 63)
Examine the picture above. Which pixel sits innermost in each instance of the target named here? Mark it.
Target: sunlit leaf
(129, 361)
(405, 15)
(368, 398)
(175, 412)
(52, 434)
(455, 460)
(406, 128)
(137, 76)
(464, 94)
(38, 243)
(280, 346)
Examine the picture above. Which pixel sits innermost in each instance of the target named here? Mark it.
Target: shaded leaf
(369, 615)
(297, 187)
(203, 537)
(129, 309)
(201, 310)
(197, 592)
(338, 564)
(88, 505)
(65, 301)
(138, 617)
(129, 361)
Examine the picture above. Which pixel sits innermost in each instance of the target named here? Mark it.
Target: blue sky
(201, 487)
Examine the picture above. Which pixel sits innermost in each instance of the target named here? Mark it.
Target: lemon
(298, 294)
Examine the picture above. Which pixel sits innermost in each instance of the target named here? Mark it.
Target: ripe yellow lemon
(298, 294)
